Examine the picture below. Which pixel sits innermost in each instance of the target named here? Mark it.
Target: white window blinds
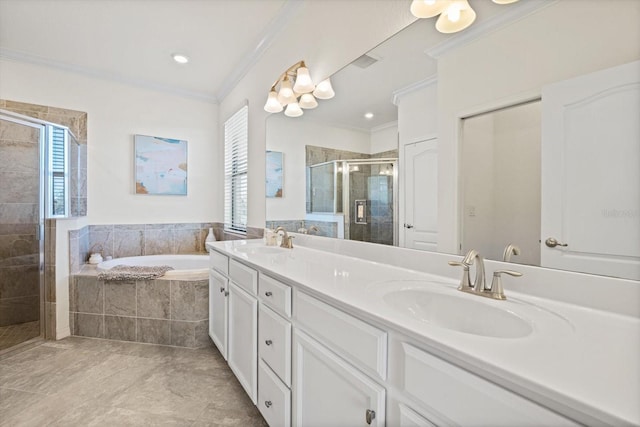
(235, 171)
(58, 172)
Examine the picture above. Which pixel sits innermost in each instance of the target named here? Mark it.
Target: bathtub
(184, 265)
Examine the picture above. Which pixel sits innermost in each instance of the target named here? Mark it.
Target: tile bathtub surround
(83, 381)
(161, 311)
(325, 228)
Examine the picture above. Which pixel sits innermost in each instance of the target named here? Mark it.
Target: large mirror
(524, 134)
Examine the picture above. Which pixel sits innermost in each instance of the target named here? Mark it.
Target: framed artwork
(160, 166)
(274, 169)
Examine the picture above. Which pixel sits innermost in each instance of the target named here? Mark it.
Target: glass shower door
(21, 213)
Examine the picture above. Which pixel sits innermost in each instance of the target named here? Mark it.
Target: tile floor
(16, 334)
(91, 382)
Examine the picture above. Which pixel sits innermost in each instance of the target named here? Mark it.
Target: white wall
(384, 138)
(325, 48)
(566, 39)
(290, 135)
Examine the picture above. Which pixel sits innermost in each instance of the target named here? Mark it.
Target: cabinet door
(243, 338)
(218, 311)
(330, 392)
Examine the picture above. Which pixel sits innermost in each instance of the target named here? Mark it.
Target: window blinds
(235, 170)
(58, 172)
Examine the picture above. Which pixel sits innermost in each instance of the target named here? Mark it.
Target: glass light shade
(273, 105)
(456, 17)
(286, 96)
(303, 81)
(307, 101)
(324, 90)
(504, 1)
(427, 8)
(293, 110)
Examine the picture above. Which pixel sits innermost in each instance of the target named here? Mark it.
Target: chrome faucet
(287, 241)
(303, 230)
(478, 286)
(511, 249)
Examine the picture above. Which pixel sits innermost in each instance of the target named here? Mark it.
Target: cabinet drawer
(358, 342)
(274, 398)
(219, 262)
(274, 343)
(443, 387)
(243, 276)
(275, 294)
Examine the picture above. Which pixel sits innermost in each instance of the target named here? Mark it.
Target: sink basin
(264, 250)
(459, 314)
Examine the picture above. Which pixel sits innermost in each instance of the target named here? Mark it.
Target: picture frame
(161, 166)
(274, 174)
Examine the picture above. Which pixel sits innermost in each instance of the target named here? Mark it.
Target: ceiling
(132, 40)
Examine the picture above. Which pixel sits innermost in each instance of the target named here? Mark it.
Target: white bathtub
(184, 265)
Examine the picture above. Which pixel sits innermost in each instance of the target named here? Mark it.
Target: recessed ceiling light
(368, 116)
(179, 58)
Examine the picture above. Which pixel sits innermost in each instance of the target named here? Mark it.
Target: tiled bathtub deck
(84, 381)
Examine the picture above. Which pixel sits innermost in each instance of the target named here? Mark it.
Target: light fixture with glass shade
(295, 90)
(455, 15)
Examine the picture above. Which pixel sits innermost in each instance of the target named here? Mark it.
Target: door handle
(552, 243)
(408, 226)
(370, 415)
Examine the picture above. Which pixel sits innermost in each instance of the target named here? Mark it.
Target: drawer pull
(222, 289)
(268, 293)
(268, 342)
(370, 416)
(267, 403)
(226, 293)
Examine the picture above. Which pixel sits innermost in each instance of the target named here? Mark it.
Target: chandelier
(295, 90)
(455, 15)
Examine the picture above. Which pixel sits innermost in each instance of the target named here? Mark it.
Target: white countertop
(579, 361)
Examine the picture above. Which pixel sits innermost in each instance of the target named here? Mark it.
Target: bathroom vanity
(342, 333)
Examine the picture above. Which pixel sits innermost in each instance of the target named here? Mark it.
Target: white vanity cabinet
(274, 351)
(218, 310)
(243, 326)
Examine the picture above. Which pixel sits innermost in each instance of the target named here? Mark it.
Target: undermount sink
(264, 250)
(458, 313)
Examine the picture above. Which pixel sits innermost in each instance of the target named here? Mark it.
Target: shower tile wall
(76, 121)
(19, 247)
(358, 191)
(380, 190)
(325, 228)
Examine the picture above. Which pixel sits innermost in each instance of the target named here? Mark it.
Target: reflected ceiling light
(293, 110)
(368, 116)
(180, 58)
(427, 8)
(455, 15)
(294, 89)
(324, 90)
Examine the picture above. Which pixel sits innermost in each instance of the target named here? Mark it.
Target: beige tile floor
(16, 334)
(91, 382)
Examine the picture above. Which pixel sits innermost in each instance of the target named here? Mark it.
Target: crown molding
(13, 55)
(514, 13)
(397, 94)
(270, 32)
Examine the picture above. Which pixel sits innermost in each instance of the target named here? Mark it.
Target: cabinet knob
(222, 289)
(370, 415)
(268, 293)
(226, 293)
(268, 342)
(267, 403)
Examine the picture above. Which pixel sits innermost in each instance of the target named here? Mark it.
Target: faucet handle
(496, 283)
(465, 282)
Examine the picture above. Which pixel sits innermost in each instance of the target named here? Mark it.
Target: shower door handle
(408, 226)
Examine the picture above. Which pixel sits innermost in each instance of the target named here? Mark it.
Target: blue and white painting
(274, 174)
(161, 165)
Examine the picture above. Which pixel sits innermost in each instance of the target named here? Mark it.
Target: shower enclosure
(363, 190)
(34, 159)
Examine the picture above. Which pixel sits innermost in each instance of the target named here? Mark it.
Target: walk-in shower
(35, 177)
(364, 191)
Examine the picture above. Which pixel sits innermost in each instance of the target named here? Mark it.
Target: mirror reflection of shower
(363, 191)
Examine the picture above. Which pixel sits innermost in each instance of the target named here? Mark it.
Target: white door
(218, 311)
(329, 392)
(420, 194)
(243, 339)
(591, 173)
